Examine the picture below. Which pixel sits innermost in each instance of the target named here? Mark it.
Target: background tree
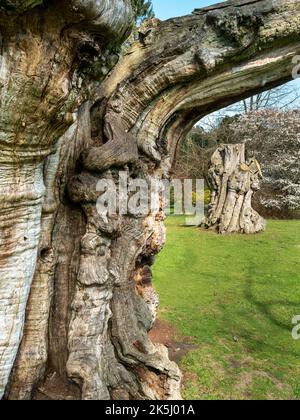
(282, 97)
(195, 151)
(272, 136)
(142, 10)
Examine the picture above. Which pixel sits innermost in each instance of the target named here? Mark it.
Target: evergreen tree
(142, 10)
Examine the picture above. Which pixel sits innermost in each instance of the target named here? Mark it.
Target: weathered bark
(91, 302)
(233, 181)
(45, 74)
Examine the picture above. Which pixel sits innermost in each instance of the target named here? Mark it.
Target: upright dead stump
(233, 181)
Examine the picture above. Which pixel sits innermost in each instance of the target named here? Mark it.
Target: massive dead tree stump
(76, 299)
(233, 181)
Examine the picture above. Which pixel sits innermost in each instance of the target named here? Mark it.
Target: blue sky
(165, 9)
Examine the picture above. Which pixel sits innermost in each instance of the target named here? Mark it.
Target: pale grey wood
(233, 182)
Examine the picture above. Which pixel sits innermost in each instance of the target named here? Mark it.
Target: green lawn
(236, 296)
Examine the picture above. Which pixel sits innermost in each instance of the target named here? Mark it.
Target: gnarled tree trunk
(233, 181)
(68, 120)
